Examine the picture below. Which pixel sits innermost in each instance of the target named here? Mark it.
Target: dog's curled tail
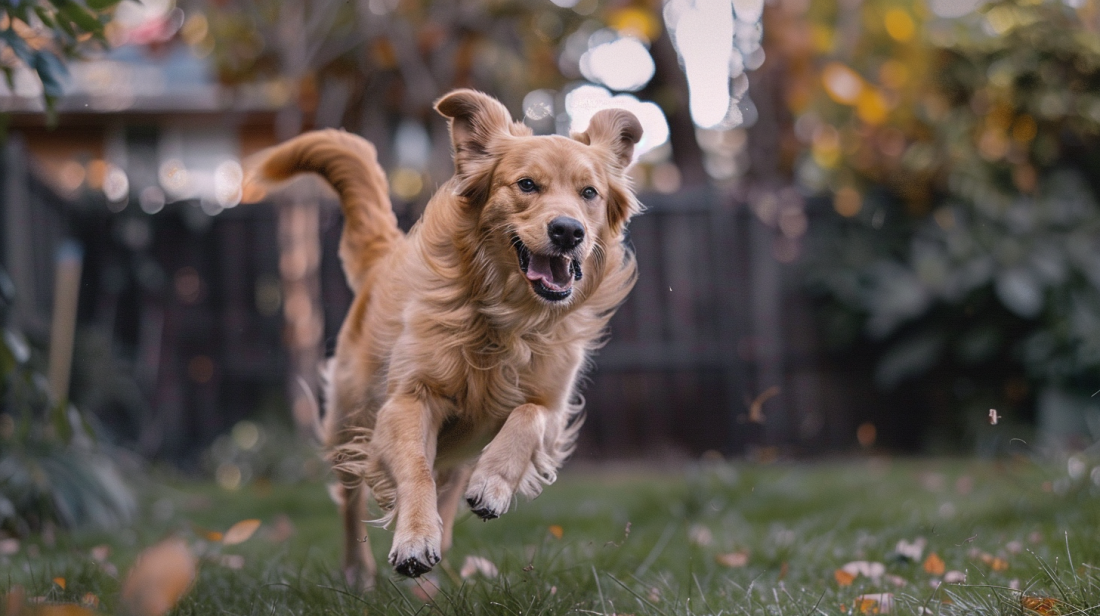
(349, 164)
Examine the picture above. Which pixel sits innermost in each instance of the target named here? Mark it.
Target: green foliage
(52, 471)
(42, 35)
(970, 215)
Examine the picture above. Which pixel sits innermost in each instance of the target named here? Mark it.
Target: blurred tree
(377, 65)
(959, 151)
(42, 35)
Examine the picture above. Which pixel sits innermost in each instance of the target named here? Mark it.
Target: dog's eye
(589, 193)
(527, 185)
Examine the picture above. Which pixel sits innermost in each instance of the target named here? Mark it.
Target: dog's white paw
(488, 495)
(414, 555)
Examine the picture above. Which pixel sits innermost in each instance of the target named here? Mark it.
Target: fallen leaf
(13, 603)
(159, 578)
(557, 531)
(934, 565)
(700, 535)
(60, 581)
(954, 577)
(240, 532)
(477, 564)
(843, 578)
(911, 550)
(214, 536)
(1040, 605)
(873, 570)
(733, 560)
(994, 562)
(875, 603)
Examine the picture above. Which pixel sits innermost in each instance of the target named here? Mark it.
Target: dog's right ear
(477, 122)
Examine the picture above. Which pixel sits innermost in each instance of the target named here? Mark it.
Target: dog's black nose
(565, 232)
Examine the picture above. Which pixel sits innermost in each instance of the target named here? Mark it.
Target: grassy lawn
(715, 539)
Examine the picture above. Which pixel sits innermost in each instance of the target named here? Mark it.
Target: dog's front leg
(513, 461)
(405, 440)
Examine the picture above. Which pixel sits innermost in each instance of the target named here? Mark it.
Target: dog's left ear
(478, 121)
(615, 129)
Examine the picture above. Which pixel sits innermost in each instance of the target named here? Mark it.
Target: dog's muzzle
(551, 275)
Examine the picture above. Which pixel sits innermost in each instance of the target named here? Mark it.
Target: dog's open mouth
(551, 276)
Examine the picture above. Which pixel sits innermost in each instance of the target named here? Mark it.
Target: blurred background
(872, 225)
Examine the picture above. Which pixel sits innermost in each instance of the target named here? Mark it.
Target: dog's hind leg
(451, 486)
(359, 566)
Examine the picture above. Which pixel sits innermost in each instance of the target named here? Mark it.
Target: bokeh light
(623, 64)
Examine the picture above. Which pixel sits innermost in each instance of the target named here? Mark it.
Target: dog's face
(546, 204)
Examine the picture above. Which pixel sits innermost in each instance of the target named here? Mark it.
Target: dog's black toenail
(412, 567)
(486, 513)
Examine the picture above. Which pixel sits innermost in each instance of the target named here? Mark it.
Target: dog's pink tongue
(552, 271)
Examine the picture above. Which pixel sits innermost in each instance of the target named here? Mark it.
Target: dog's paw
(488, 496)
(415, 556)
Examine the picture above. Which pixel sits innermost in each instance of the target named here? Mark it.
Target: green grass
(626, 544)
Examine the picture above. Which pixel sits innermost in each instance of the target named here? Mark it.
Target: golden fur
(452, 376)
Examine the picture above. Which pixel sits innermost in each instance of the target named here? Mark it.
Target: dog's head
(545, 204)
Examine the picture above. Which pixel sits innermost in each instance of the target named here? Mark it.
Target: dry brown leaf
(733, 560)
(911, 549)
(240, 532)
(934, 565)
(873, 570)
(477, 564)
(159, 578)
(843, 578)
(700, 535)
(13, 603)
(875, 603)
(994, 562)
(1040, 605)
(954, 577)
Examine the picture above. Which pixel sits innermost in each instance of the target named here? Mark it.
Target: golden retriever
(456, 370)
